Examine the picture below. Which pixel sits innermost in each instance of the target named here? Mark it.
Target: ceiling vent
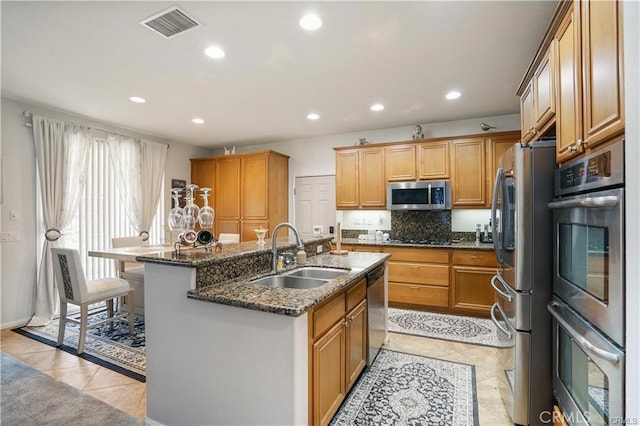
(171, 22)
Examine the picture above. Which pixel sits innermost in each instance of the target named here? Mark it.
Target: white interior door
(315, 198)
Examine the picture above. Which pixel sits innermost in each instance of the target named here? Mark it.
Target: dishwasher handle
(374, 275)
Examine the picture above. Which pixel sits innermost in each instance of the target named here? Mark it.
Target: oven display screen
(592, 170)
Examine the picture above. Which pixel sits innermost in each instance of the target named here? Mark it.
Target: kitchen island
(223, 351)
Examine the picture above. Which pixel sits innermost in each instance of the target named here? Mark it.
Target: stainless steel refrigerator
(522, 235)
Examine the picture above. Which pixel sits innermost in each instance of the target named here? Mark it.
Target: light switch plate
(14, 215)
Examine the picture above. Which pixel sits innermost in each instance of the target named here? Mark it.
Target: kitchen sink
(289, 281)
(321, 273)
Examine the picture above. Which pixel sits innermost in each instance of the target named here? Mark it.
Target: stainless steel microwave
(432, 195)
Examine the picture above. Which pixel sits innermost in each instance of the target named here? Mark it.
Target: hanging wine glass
(176, 213)
(191, 210)
(207, 214)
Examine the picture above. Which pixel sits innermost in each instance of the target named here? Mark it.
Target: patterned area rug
(114, 349)
(405, 389)
(477, 331)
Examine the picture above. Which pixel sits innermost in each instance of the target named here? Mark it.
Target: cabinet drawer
(356, 294)
(474, 258)
(407, 254)
(419, 273)
(419, 294)
(327, 314)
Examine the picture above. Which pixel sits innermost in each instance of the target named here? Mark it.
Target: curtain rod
(29, 114)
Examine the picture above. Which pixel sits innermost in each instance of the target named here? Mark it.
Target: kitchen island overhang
(227, 354)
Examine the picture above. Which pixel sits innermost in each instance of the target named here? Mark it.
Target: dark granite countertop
(465, 245)
(286, 301)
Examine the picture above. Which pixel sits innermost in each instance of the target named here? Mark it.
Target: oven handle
(588, 202)
(553, 309)
(497, 290)
(495, 321)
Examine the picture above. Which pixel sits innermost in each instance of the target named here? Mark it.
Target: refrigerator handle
(494, 206)
(504, 294)
(495, 321)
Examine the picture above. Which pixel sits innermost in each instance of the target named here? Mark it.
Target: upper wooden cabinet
(537, 102)
(400, 162)
(249, 190)
(469, 175)
(360, 178)
(433, 160)
(496, 146)
(602, 65)
(577, 77)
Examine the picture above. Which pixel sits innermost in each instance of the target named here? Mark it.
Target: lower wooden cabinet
(471, 273)
(338, 347)
(418, 277)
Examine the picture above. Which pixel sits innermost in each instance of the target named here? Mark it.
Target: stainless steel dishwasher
(377, 312)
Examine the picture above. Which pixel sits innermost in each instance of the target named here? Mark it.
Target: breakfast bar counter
(221, 350)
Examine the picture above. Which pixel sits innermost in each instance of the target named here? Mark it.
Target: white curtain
(139, 167)
(61, 154)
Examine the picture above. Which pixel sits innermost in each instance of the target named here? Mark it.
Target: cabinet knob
(581, 143)
(345, 324)
(571, 148)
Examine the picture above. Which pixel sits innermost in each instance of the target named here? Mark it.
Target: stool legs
(130, 306)
(84, 314)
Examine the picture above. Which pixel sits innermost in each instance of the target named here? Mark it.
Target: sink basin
(321, 273)
(289, 281)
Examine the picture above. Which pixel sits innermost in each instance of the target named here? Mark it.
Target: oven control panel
(598, 170)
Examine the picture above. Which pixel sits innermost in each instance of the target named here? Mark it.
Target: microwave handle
(553, 309)
(429, 194)
(588, 202)
(494, 206)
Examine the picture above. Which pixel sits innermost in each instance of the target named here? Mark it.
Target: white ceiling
(88, 58)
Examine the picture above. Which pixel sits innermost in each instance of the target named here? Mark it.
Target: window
(102, 216)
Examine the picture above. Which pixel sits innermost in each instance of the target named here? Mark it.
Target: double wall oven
(588, 307)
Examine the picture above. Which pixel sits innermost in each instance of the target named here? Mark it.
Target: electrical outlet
(7, 237)
(318, 249)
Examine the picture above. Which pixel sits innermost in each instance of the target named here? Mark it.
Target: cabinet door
(372, 185)
(356, 342)
(568, 105)
(496, 148)
(526, 113)
(203, 174)
(347, 179)
(433, 160)
(254, 187)
(227, 193)
(400, 162)
(544, 102)
(328, 374)
(471, 289)
(603, 81)
(469, 173)
(248, 227)
(227, 226)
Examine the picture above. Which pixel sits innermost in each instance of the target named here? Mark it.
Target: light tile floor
(129, 395)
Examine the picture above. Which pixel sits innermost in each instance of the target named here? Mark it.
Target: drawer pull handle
(476, 257)
(414, 267)
(415, 287)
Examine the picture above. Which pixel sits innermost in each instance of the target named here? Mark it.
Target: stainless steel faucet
(274, 251)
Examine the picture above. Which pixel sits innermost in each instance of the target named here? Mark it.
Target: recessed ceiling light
(214, 52)
(377, 107)
(310, 22)
(198, 120)
(137, 99)
(313, 116)
(452, 95)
